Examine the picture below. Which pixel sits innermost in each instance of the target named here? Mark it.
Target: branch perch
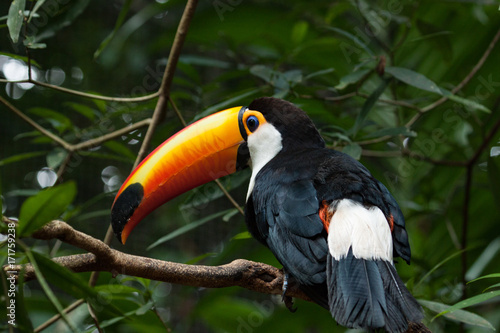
(243, 273)
(247, 274)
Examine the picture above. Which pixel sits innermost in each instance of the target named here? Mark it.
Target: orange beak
(203, 151)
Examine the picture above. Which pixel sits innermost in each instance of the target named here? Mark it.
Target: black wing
(282, 213)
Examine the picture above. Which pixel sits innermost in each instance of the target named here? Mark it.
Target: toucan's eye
(252, 123)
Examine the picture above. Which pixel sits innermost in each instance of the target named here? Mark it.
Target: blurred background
(368, 73)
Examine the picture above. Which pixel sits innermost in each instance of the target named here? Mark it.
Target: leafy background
(370, 74)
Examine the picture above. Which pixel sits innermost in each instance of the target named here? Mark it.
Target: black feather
(369, 294)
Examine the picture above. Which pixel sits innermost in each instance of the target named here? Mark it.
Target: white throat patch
(263, 144)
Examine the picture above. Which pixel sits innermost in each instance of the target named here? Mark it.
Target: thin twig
(375, 140)
(86, 95)
(393, 102)
(125, 130)
(168, 77)
(161, 105)
(414, 155)
(465, 211)
(465, 225)
(63, 166)
(55, 318)
(341, 97)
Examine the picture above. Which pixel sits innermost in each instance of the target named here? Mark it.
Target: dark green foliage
(369, 73)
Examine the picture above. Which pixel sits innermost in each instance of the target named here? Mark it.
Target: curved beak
(206, 150)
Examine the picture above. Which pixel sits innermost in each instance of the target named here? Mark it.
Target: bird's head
(210, 148)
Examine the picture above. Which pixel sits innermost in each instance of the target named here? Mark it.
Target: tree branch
(465, 211)
(243, 273)
(83, 94)
(168, 77)
(247, 274)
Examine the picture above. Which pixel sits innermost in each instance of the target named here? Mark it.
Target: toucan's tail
(369, 294)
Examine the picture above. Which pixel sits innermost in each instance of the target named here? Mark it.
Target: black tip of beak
(124, 207)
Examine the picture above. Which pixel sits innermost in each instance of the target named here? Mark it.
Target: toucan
(333, 226)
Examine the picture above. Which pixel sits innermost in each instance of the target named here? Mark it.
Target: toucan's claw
(285, 286)
(284, 298)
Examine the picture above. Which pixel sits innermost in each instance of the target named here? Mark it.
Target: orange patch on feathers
(325, 214)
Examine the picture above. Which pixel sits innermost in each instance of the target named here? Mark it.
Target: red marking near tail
(391, 222)
(325, 214)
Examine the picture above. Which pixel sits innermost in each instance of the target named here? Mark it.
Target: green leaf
(469, 302)
(121, 18)
(15, 19)
(82, 109)
(201, 60)
(22, 58)
(368, 105)
(116, 44)
(420, 81)
(188, 227)
(72, 284)
(441, 263)
(355, 39)
(120, 148)
(264, 72)
(23, 321)
(351, 78)
(242, 235)
(413, 79)
(459, 315)
(46, 288)
(494, 286)
(45, 206)
(488, 254)
(489, 276)
(63, 19)
(117, 288)
(38, 4)
(200, 258)
(56, 157)
(467, 102)
(320, 72)
(145, 308)
(354, 150)
(299, 31)
(30, 42)
(61, 277)
(59, 121)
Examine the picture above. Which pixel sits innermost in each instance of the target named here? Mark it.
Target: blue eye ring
(252, 123)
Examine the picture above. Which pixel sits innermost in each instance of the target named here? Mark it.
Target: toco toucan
(329, 222)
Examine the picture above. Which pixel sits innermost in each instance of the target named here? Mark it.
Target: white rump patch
(263, 144)
(366, 230)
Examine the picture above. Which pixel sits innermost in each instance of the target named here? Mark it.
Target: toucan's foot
(284, 298)
(285, 285)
